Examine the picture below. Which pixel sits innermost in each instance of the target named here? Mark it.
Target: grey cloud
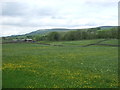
(45, 11)
(91, 24)
(58, 14)
(23, 24)
(13, 9)
(101, 4)
(25, 10)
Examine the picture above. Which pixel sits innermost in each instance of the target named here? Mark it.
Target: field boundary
(97, 43)
(60, 45)
(102, 45)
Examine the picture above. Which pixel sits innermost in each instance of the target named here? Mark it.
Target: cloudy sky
(24, 16)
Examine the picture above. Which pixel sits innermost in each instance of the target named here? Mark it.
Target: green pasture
(112, 41)
(29, 65)
(81, 42)
(71, 43)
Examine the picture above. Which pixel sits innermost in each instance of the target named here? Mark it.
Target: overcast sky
(24, 16)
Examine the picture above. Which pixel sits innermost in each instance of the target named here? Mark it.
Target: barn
(28, 40)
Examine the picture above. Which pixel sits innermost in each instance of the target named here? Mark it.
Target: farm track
(97, 43)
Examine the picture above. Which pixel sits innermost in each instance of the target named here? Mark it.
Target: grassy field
(113, 42)
(27, 65)
(72, 43)
(81, 42)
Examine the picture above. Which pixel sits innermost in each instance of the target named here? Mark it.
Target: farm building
(28, 40)
(22, 40)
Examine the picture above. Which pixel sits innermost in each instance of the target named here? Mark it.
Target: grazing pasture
(30, 65)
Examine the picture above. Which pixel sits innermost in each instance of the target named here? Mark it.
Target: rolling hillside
(46, 31)
(63, 29)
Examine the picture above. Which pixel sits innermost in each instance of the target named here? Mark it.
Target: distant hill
(41, 31)
(45, 31)
(108, 27)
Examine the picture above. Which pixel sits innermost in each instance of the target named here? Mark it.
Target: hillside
(46, 31)
(108, 27)
(41, 31)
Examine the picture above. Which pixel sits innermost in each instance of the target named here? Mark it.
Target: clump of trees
(54, 36)
(81, 35)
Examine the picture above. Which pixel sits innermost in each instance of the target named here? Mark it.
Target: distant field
(27, 65)
(81, 42)
(75, 43)
(113, 41)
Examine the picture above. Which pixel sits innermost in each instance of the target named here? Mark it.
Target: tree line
(80, 35)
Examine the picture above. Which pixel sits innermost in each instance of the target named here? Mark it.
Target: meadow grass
(72, 43)
(111, 41)
(38, 66)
